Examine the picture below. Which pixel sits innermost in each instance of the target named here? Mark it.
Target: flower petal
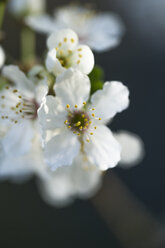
(105, 31)
(2, 57)
(53, 64)
(113, 98)
(132, 148)
(41, 90)
(57, 188)
(83, 59)
(42, 23)
(61, 149)
(51, 113)
(15, 168)
(102, 150)
(64, 40)
(18, 139)
(14, 74)
(73, 87)
(86, 177)
(81, 179)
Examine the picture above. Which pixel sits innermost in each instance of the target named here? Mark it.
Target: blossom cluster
(52, 124)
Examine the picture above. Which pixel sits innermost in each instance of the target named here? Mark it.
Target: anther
(93, 115)
(76, 106)
(78, 124)
(68, 106)
(72, 40)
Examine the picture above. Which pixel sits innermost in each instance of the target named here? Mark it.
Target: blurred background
(129, 210)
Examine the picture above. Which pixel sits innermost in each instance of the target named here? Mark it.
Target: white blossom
(61, 187)
(100, 31)
(65, 52)
(18, 113)
(80, 124)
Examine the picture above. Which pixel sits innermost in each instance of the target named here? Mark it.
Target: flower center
(81, 121)
(16, 106)
(78, 121)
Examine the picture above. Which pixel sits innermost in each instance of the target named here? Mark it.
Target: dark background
(139, 62)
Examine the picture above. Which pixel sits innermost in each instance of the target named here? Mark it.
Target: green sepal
(96, 79)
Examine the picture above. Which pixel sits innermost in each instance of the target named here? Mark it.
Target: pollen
(78, 124)
(95, 127)
(93, 115)
(70, 51)
(72, 40)
(99, 119)
(91, 133)
(76, 106)
(68, 106)
(84, 103)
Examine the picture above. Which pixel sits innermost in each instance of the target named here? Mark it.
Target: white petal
(13, 73)
(41, 90)
(83, 59)
(81, 179)
(51, 113)
(132, 148)
(15, 168)
(59, 37)
(2, 57)
(42, 23)
(57, 190)
(72, 87)
(61, 149)
(53, 64)
(105, 31)
(18, 139)
(86, 178)
(113, 98)
(102, 150)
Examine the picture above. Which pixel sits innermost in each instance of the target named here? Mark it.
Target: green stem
(27, 45)
(2, 12)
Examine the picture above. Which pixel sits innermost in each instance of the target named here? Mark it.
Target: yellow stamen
(76, 106)
(68, 106)
(78, 124)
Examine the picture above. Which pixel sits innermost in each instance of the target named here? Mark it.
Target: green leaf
(96, 78)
